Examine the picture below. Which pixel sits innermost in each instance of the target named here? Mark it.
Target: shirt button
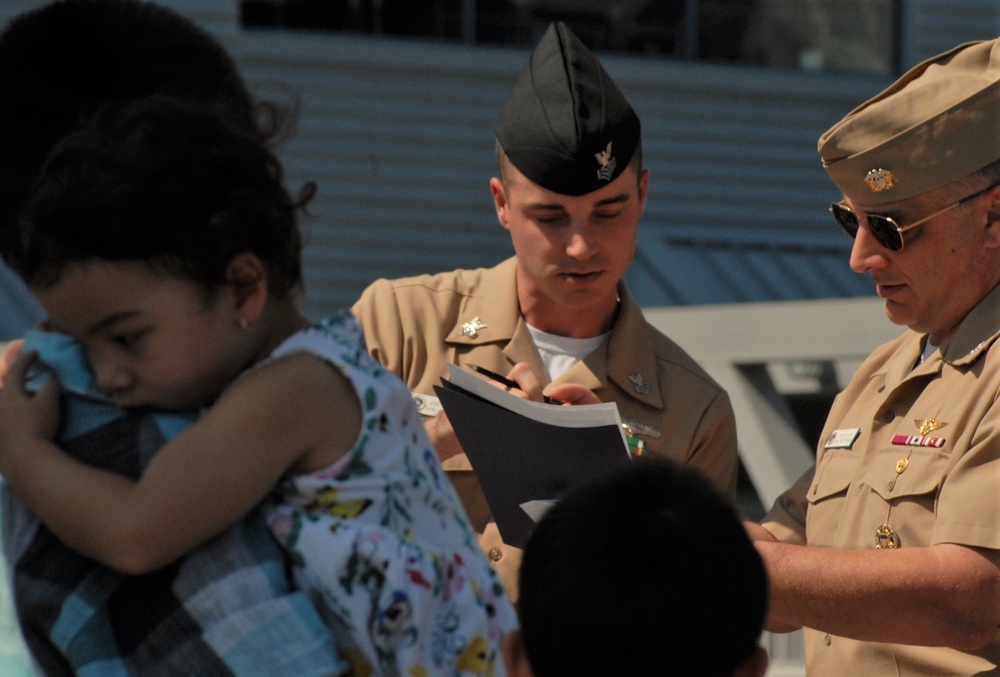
(827, 639)
(889, 416)
(495, 554)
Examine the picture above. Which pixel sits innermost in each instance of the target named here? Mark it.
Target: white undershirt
(929, 348)
(559, 353)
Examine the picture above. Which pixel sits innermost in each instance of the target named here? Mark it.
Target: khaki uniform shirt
(916, 448)
(414, 325)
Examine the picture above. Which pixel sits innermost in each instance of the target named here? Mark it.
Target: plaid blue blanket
(225, 609)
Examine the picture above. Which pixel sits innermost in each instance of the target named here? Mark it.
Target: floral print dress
(380, 541)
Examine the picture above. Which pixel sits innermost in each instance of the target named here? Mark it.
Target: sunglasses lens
(846, 219)
(882, 227)
(885, 231)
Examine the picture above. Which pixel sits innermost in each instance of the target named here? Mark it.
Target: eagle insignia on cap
(879, 180)
(607, 163)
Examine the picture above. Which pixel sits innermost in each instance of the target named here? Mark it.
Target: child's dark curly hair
(166, 181)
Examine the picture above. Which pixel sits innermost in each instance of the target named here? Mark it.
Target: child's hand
(7, 358)
(26, 416)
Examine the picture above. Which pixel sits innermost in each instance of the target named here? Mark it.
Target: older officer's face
(945, 267)
(572, 250)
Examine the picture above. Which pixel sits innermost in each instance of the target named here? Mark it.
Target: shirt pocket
(828, 497)
(923, 471)
(906, 500)
(833, 476)
(922, 474)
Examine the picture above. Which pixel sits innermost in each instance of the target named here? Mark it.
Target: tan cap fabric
(938, 123)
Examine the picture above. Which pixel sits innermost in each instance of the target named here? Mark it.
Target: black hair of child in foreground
(63, 61)
(645, 571)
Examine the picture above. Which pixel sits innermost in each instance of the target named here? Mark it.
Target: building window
(841, 35)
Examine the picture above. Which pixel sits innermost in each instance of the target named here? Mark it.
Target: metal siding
(933, 26)
(398, 137)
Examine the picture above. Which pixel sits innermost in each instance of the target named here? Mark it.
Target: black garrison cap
(566, 125)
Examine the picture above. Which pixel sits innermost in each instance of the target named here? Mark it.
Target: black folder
(528, 453)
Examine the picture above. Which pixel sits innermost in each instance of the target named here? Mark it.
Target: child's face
(152, 339)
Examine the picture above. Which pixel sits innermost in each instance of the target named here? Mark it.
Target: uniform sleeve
(715, 451)
(378, 313)
(787, 518)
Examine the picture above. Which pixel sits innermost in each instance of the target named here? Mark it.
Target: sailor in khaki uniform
(571, 192)
(888, 551)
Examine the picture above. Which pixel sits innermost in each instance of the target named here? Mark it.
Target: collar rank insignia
(639, 383)
(879, 180)
(607, 163)
(471, 328)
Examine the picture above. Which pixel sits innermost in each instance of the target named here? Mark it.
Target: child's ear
(246, 280)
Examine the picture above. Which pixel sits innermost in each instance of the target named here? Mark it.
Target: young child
(163, 240)
(228, 607)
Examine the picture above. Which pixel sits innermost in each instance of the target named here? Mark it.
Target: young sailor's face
(572, 251)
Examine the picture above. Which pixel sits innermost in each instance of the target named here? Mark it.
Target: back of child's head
(165, 181)
(645, 571)
(58, 63)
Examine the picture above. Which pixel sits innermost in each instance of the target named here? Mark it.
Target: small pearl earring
(244, 323)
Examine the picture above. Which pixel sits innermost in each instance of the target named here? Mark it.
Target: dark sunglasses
(885, 229)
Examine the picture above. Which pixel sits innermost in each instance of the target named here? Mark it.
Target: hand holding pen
(510, 383)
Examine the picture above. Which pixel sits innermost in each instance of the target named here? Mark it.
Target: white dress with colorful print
(380, 540)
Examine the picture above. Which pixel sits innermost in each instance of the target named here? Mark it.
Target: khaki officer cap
(938, 123)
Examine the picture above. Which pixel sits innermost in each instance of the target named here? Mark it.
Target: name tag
(427, 405)
(842, 438)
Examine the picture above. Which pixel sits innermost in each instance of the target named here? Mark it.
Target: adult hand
(567, 393)
(442, 435)
(572, 393)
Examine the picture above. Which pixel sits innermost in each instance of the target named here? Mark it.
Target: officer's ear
(499, 192)
(993, 218)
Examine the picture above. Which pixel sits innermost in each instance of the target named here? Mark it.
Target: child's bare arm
(295, 413)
